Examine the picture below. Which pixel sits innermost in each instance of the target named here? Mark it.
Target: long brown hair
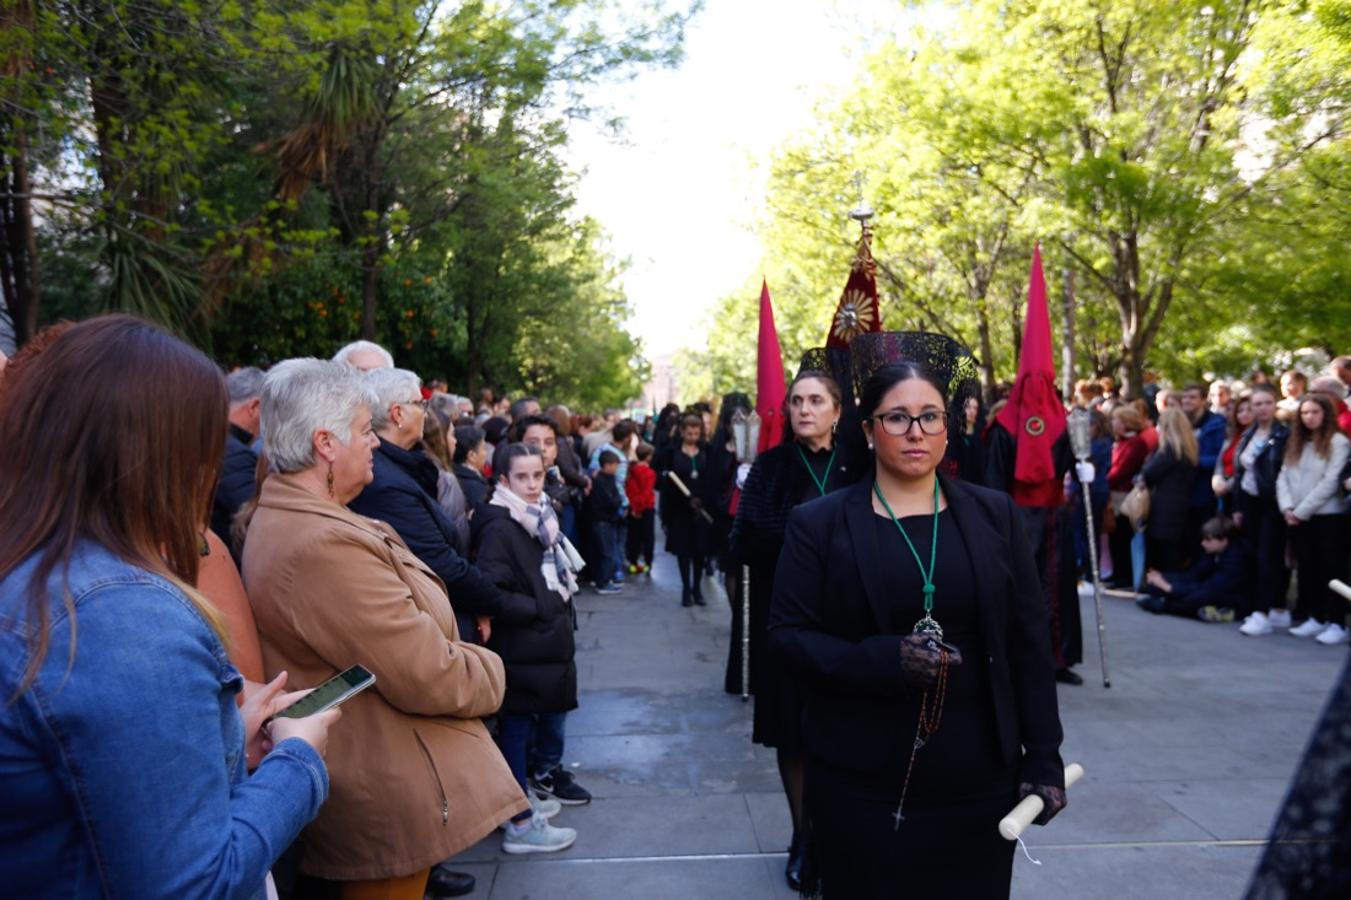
(1300, 435)
(114, 433)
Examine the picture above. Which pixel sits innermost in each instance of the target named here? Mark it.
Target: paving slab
(1188, 758)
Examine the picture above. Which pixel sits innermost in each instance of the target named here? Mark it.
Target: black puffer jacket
(534, 632)
(237, 480)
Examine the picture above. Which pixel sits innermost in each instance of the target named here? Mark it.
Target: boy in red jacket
(640, 487)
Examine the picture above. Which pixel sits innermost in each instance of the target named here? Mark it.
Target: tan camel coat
(415, 777)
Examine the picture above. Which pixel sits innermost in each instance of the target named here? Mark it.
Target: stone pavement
(1187, 757)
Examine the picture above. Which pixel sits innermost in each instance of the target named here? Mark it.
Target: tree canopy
(274, 179)
(1182, 165)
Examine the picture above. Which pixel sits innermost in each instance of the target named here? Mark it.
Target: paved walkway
(1187, 759)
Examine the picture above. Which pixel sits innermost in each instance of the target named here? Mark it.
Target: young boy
(1209, 589)
(640, 487)
(604, 504)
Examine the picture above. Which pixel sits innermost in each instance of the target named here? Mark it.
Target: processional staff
(746, 440)
(1081, 439)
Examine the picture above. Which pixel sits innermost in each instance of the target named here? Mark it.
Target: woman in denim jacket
(122, 749)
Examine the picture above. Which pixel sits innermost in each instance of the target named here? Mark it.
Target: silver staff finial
(863, 212)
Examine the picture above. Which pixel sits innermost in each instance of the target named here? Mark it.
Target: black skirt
(949, 851)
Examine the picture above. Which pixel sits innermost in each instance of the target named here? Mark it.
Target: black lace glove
(921, 658)
(1053, 797)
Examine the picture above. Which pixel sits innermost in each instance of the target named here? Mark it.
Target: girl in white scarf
(524, 500)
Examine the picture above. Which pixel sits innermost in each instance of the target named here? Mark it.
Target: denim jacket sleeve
(148, 745)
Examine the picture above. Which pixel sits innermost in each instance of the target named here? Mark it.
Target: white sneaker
(536, 835)
(1333, 635)
(1255, 625)
(1279, 618)
(1310, 628)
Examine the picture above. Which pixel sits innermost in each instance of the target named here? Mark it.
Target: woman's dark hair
(1301, 435)
(505, 454)
(468, 438)
(495, 429)
(730, 404)
(110, 459)
(887, 377)
(693, 418)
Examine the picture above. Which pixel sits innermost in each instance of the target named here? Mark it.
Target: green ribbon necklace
(926, 625)
(820, 482)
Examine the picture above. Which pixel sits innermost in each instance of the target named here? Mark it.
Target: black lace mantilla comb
(950, 362)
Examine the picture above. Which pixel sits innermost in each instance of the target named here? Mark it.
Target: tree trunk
(374, 228)
(23, 288)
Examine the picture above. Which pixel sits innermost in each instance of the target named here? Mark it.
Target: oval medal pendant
(694, 476)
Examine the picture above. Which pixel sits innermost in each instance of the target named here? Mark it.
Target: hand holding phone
(313, 729)
(338, 689)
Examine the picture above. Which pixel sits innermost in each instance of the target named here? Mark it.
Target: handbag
(1136, 506)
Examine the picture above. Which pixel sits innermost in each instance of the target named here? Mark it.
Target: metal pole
(1097, 584)
(745, 633)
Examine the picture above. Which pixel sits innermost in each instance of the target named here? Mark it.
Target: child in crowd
(1210, 588)
(523, 550)
(642, 532)
(605, 504)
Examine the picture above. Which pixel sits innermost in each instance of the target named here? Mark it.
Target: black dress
(687, 532)
(778, 482)
(847, 590)
(949, 843)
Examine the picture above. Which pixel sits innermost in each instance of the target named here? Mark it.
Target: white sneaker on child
(1333, 635)
(1310, 628)
(1255, 625)
(1279, 618)
(536, 835)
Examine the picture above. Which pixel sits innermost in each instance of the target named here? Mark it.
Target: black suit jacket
(238, 477)
(830, 621)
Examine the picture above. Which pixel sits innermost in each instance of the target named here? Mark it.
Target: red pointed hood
(770, 389)
(1034, 415)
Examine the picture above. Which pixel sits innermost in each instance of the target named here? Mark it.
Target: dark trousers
(1119, 543)
(1321, 548)
(603, 547)
(691, 572)
(531, 743)
(1264, 550)
(1165, 555)
(641, 540)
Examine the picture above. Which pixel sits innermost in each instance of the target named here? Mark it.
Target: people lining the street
(1207, 589)
(1169, 473)
(641, 533)
(235, 488)
(1258, 460)
(683, 512)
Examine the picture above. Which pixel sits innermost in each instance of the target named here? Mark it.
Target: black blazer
(1169, 479)
(238, 476)
(831, 623)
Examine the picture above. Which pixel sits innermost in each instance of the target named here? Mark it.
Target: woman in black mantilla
(809, 464)
(910, 608)
(688, 533)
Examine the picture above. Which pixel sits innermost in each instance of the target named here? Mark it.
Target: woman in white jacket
(1309, 493)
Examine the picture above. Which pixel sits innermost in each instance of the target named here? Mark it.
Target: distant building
(661, 387)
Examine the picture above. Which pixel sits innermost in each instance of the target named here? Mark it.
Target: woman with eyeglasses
(910, 608)
(807, 466)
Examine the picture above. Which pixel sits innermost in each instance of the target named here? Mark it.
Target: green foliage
(1180, 163)
(276, 179)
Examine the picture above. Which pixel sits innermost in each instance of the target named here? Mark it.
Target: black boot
(699, 597)
(793, 871)
(686, 598)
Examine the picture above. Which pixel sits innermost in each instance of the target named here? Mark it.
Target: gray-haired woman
(331, 589)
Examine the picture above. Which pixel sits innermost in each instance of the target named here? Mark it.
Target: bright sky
(680, 193)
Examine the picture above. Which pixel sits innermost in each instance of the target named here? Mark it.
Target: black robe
(1050, 531)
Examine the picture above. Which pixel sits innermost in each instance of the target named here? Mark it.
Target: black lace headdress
(950, 362)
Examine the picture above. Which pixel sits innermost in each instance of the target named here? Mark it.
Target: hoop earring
(329, 481)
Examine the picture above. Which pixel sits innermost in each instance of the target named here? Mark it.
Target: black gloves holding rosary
(922, 657)
(1053, 797)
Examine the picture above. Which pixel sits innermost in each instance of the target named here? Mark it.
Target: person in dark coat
(1169, 475)
(471, 454)
(809, 464)
(1209, 588)
(402, 494)
(687, 532)
(523, 550)
(239, 470)
(722, 464)
(1257, 465)
(906, 592)
(603, 507)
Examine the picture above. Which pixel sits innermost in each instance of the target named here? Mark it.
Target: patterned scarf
(561, 561)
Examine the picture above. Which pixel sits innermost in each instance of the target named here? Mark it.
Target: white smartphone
(338, 689)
